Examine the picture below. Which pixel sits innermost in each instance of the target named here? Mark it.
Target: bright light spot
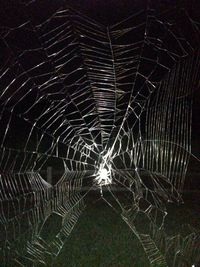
(103, 177)
(103, 174)
(193, 265)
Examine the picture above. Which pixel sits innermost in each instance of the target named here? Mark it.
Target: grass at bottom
(101, 239)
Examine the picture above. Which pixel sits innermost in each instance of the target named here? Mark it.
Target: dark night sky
(111, 11)
(106, 12)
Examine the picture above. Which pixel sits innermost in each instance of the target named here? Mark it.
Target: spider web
(78, 95)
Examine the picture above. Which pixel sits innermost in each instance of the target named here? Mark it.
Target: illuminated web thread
(88, 98)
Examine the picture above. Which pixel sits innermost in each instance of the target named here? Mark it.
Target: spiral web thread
(84, 95)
